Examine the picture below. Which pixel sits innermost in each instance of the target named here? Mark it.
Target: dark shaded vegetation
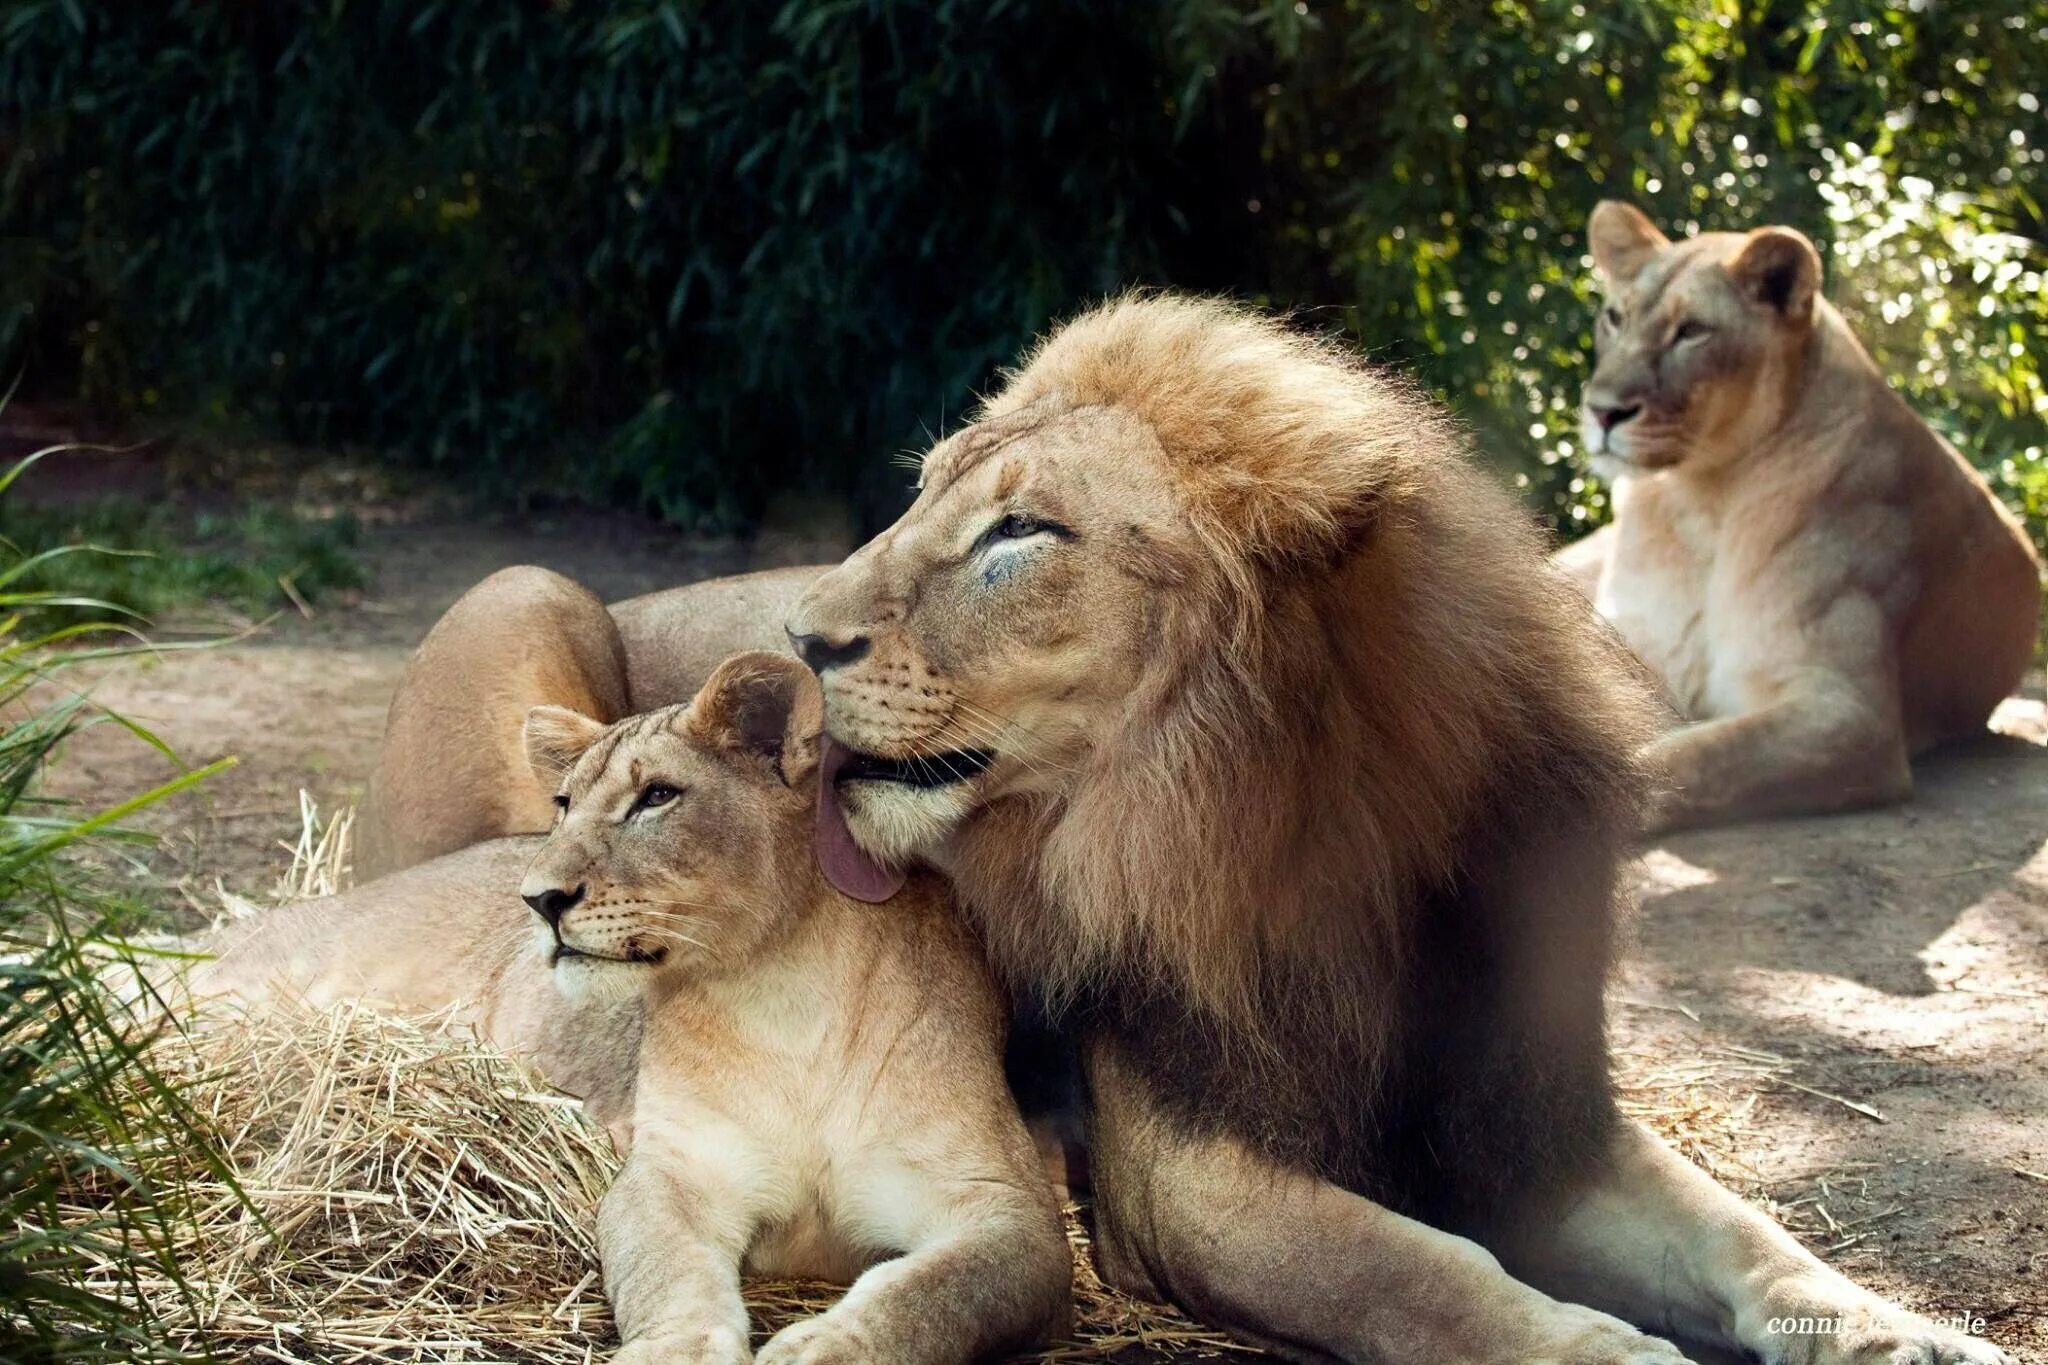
(83, 1112)
(684, 255)
(156, 558)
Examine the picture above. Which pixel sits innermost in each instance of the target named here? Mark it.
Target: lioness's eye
(561, 800)
(657, 794)
(1612, 314)
(1692, 329)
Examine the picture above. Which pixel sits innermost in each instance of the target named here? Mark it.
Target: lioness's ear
(555, 738)
(1623, 239)
(1779, 266)
(765, 705)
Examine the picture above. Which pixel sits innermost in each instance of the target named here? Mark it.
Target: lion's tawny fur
(1351, 683)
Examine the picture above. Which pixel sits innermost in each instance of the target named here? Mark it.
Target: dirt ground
(1857, 1006)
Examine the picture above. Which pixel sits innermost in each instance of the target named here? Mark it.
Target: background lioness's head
(682, 836)
(1698, 342)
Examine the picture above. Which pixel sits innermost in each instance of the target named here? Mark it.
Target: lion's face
(680, 834)
(977, 648)
(1693, 342)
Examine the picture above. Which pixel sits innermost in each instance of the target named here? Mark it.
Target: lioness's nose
(821, 653)
(554, 903)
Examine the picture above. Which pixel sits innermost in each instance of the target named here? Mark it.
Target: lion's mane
(1348, 872)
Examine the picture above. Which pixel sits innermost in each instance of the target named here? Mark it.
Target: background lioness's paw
(715, 1346)
(832, 1338)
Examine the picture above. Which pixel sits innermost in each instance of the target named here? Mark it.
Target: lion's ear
(1623, 239)
(766, 706)
(1779, 267)
(555, 738)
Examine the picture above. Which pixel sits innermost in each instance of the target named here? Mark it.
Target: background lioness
(1822, 584)
(811, 1086)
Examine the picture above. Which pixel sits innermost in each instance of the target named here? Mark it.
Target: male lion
(1259, 742)
(808, 1085)
(1822, 584)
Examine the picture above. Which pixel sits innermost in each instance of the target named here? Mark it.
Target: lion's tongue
(845, 865)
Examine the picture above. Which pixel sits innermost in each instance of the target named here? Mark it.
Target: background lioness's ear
(1780, 267)
(765, 705)
(1623, 239)
(555, 738)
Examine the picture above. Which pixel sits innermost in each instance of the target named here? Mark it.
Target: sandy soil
(1859, 1004)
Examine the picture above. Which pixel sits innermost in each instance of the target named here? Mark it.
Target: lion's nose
(554, 903)
(821, 653)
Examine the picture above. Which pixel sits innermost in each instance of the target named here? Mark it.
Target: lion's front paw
(834, 1338)
(1812, 1326)
(1582, 1336)
(712, 1346)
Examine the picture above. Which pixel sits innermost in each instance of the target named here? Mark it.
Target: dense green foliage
(82, 1111)
(688, 253)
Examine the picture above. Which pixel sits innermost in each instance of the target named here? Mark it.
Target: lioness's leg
(1653, 1239)
(994, 1274)
(671, 1252)
(1813, 751)
(1308, 1269)
(1584, 560)
(452, 770)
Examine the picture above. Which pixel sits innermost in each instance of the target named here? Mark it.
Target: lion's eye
(561, 800)
(1692, 329)
(1612, 315)
(657, 794)
(1022, 526)
(1015, 526)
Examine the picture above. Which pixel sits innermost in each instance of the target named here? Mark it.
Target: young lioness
(818, 1088)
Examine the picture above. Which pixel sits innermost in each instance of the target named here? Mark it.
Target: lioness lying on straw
(817, 1086)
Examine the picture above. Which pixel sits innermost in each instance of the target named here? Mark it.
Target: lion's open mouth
(932, 770)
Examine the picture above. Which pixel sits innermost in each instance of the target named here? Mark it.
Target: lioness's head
(681, 839)
(1698, 341)
(1110, 515)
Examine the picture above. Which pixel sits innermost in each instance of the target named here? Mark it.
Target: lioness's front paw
(1583, 1336)
(711, 1346)
(834, 1338)
(1814, 1325)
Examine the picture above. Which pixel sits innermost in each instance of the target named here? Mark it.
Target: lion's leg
(1305, 1268)
(1814, 751)
(1653, 1239)
(452, 770)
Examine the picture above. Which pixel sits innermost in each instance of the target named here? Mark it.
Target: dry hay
(405, 1195)
(1702, 1102)
(409, 1195)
